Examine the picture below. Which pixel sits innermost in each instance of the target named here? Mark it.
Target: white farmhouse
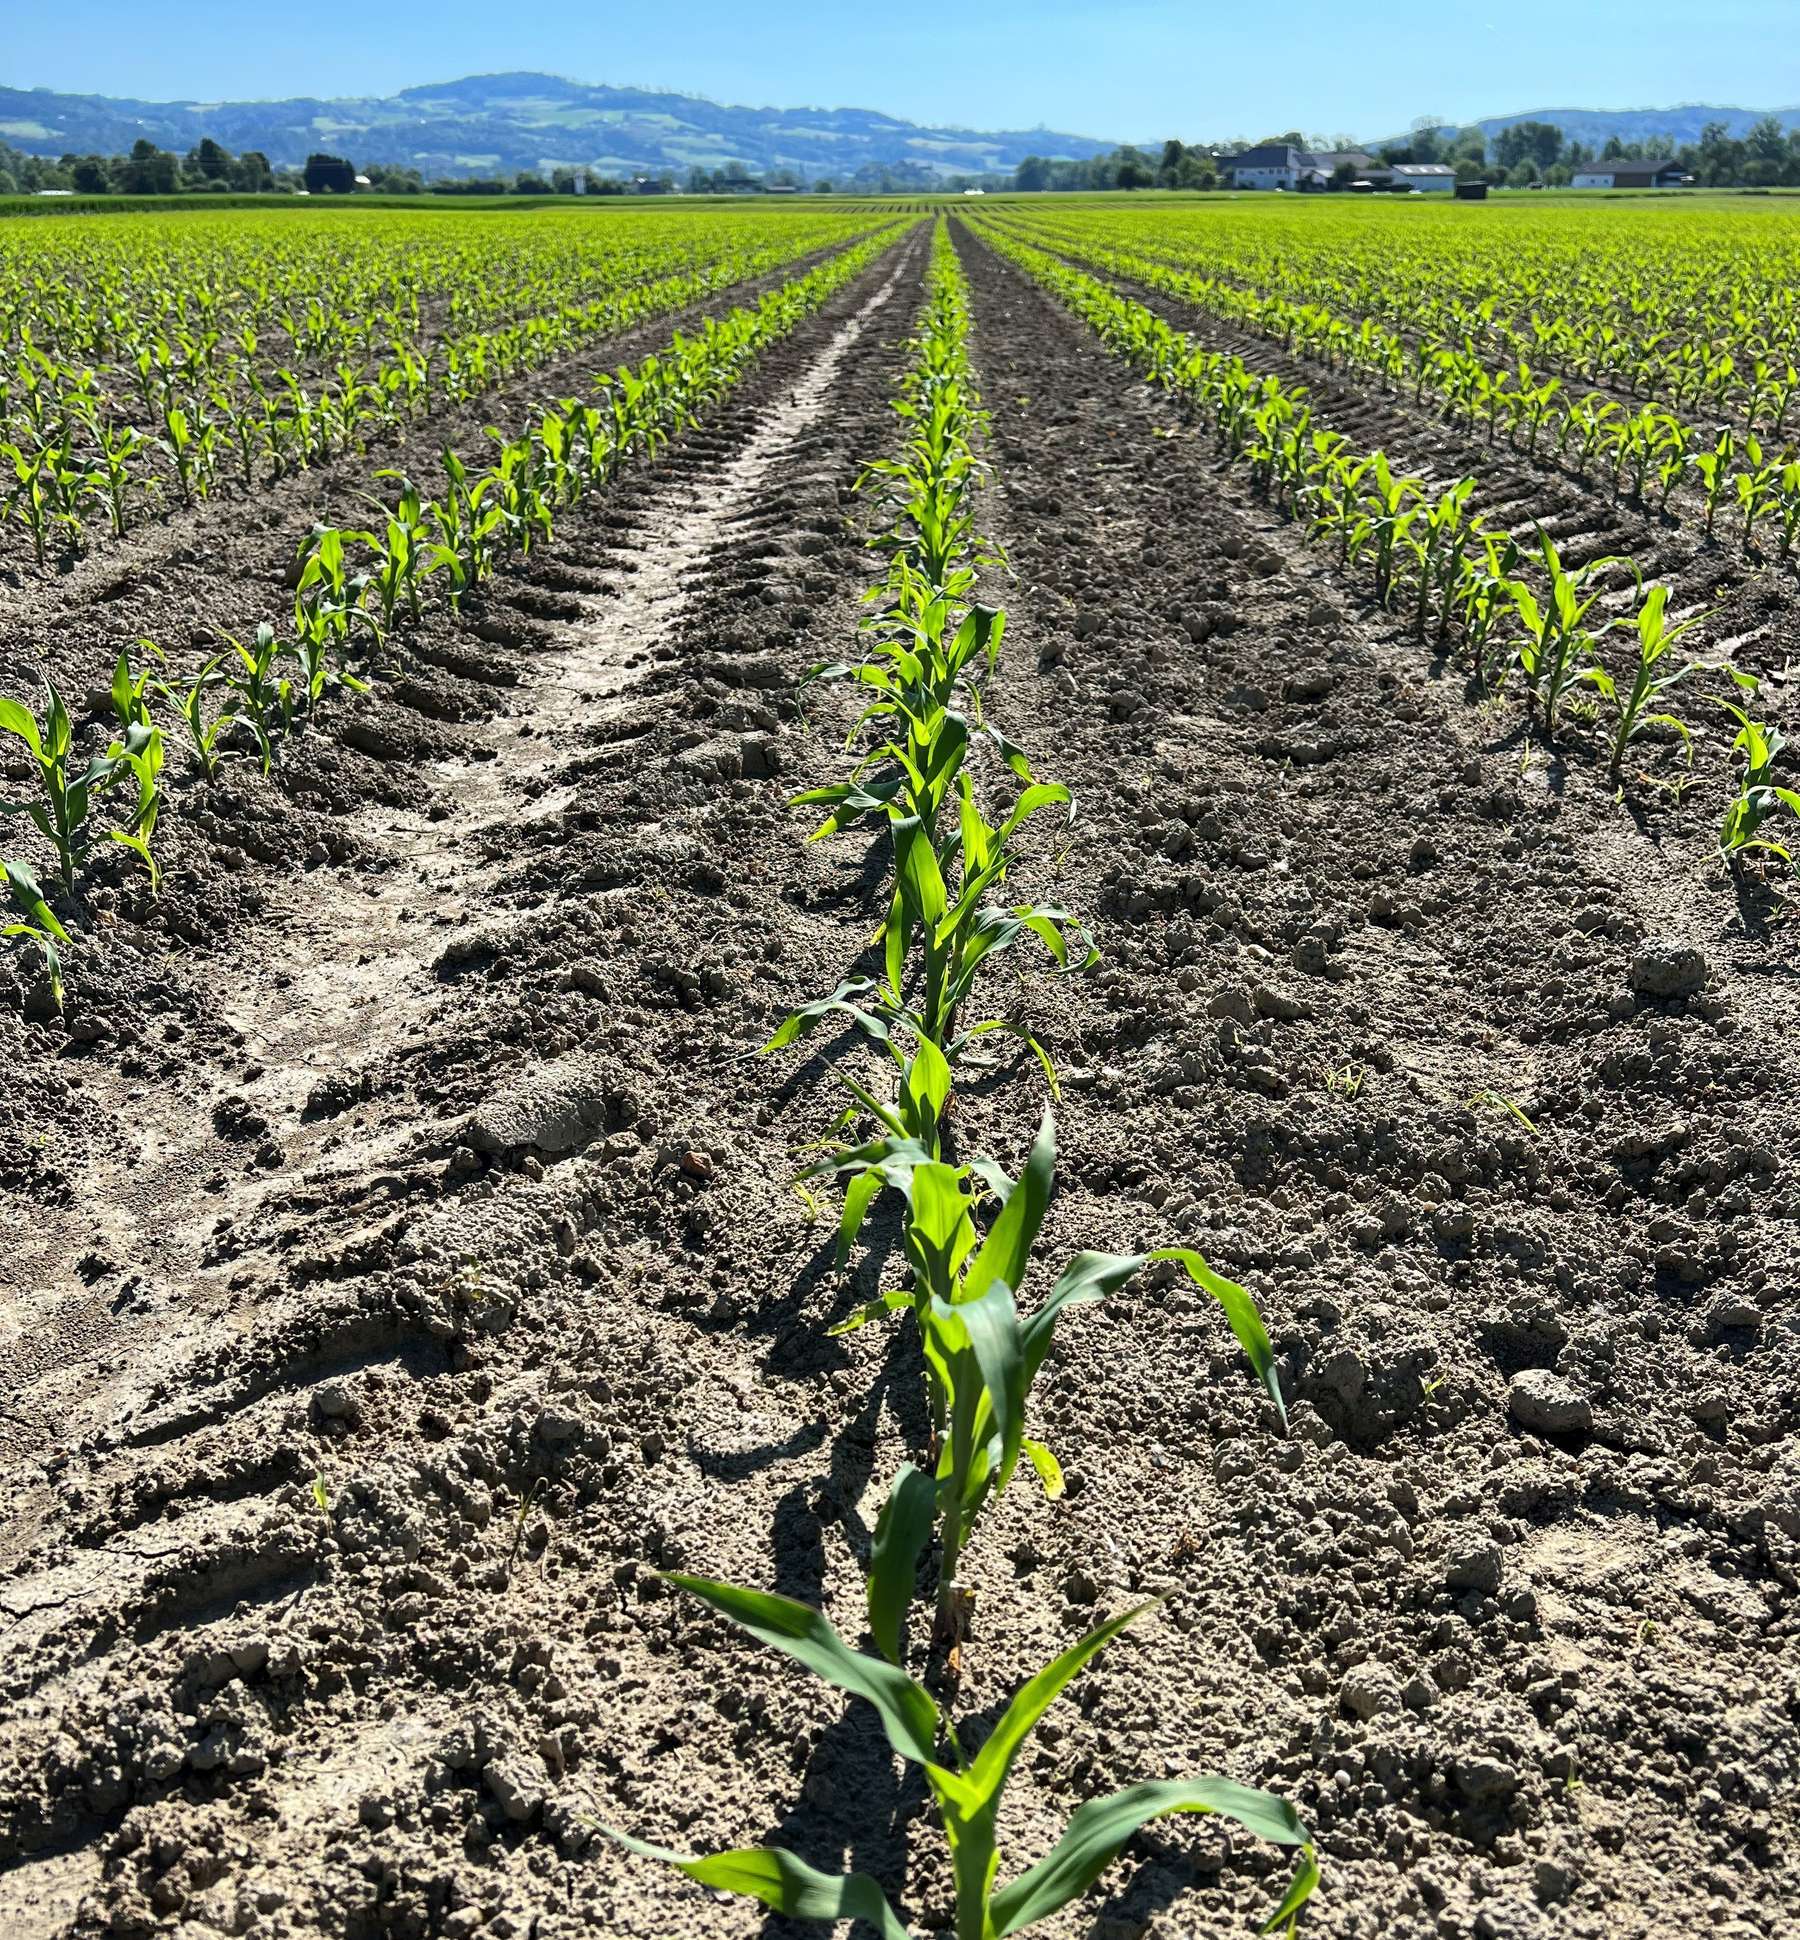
(1273, 165)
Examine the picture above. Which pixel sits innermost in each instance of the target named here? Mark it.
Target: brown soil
(405, 1148)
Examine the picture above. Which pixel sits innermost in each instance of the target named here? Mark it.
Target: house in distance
(1280, 165)
(1633, 175)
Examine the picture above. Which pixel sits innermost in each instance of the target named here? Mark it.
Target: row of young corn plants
(1645, 454)
(1693, 309)
(354, 588)
(174, 414)
(1516, 613)
(928, 764)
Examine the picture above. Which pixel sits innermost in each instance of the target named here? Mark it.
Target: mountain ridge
(1594, 127)
(502, 123)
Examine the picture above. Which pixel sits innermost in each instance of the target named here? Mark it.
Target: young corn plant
(118, 447)
(328, 597)
(259, 696)
(36, 922)
(129, 691)
(1714, 468)
(141, 756)
(956, 928)
(981, 1358)
(1759, 797)
(967, 1790)
(30, 497)
(69, 788)
(1386, 511)
(189, 703)
(1758, 489)
(1641, 708)
(1787, 505)
(1439, 545)
(400, 553)
(1557, 643)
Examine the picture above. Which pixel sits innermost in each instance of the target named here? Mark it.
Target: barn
(1633, 175)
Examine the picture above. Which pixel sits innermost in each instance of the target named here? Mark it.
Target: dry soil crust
(511, 1270)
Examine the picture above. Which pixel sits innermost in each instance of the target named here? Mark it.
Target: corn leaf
(901, 1533)
(1099, 1829)
(907, 1714)
(784, 1881)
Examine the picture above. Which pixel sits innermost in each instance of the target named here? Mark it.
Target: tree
(329, 175)
(148, 170)
(822, 186)
(209, 160)
(1032, 174)
(1427, 143)
(1170, 172)
(1539, 142)
(1765, 154)
(251, 172)
(1720, 159)
(88, 176)
(1135, 171)
(562, 181)
(1196, 171)
(1468, 169)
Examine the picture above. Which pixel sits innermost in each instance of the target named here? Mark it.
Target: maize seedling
(190, 703)
(37, 921)
(1758, 797)
(980, 1356)
(62, 816)
(1638, 711)
(1557, 641)
(967, 1791)
(260, 697)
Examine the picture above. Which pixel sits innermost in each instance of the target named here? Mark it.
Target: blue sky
(1123, 71)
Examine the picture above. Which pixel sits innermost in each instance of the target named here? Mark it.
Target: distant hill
(1594, 127)
(501, 123)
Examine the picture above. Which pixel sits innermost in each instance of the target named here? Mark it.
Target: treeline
(1530, 154)
(209, 167)
(1178, 166)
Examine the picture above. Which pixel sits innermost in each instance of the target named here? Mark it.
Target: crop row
(951, 792)
(1700, 313)
(1515, 613)
(353, 589)
(118, 394)
(1647, 454)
